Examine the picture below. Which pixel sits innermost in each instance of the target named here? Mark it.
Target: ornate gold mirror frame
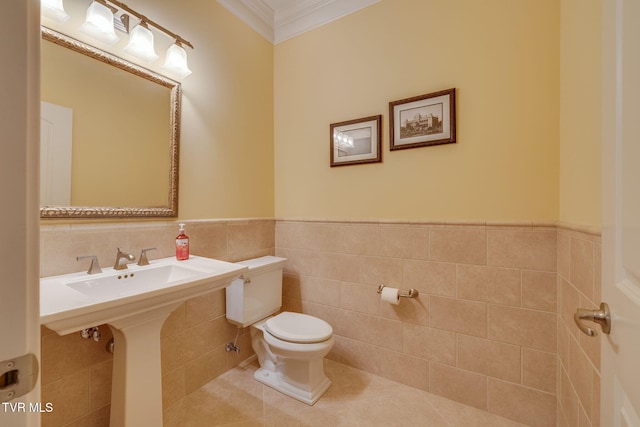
(171, 209)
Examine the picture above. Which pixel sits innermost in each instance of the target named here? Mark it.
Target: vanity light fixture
(54, 9)
(176, 58)
(141, 43)
(99, 23)
(175, 61)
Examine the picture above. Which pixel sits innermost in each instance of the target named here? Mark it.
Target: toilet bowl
(290, 346)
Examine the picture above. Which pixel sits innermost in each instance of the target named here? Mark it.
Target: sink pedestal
(136, 393)
(134, 305)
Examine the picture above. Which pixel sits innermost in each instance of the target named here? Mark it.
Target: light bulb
(141, 43)
(175, 62)
(99, 23)
(54, 9)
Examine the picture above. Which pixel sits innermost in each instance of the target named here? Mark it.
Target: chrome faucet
(119, 265)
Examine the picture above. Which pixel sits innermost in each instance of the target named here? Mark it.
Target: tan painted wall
(503, 59)
(580, 112)
(226, 154)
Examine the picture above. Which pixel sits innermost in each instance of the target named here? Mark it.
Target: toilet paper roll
(391, 295)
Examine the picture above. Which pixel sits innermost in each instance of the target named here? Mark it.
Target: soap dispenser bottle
(182, 245)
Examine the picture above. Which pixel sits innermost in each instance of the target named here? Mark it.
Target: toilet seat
(298, 328)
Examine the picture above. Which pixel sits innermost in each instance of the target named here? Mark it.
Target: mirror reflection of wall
(121, 130)
(56, 136)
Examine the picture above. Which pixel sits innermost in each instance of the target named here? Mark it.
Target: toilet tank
(257, 293)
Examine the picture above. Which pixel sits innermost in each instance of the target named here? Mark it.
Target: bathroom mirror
(109, 134)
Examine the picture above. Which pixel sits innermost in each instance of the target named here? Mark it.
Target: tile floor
(356, 398)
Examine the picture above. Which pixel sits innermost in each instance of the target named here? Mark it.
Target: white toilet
(290, 346)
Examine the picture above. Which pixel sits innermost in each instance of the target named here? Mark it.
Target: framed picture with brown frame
(423, 120)
(356, 141)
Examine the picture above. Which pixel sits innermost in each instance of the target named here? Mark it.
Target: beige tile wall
(76, 373)
(492, 327)
(578, 355)
(483, 330)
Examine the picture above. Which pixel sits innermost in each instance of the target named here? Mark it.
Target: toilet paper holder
(409, 293)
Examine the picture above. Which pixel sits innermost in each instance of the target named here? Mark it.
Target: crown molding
(280, 20)
(255, 13)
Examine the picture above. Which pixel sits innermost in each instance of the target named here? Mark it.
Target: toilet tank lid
(262, 264)
(298, 328)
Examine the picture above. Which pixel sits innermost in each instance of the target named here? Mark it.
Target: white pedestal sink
(134, 303)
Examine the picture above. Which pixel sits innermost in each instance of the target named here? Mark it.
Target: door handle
(602, 317)
(18, 376)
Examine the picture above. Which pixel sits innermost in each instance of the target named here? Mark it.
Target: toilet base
(273, 380)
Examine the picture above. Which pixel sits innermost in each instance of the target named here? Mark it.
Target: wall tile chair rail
(76, 373)
(484, 329)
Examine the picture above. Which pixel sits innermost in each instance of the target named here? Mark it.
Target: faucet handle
(143, 260)
(94, 268)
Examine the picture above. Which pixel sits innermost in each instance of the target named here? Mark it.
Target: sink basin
(72, 302)
(134, 303)
(134, 282)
